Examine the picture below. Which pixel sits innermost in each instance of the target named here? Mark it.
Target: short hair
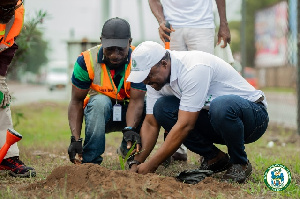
(166, 57)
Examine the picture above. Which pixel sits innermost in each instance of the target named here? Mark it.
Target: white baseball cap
(143, 58)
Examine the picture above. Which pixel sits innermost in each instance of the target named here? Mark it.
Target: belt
(260, 99)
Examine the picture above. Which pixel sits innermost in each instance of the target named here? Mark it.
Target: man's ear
(130, 40)
(164, 63)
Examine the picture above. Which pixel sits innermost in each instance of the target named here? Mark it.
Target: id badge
(117, 112)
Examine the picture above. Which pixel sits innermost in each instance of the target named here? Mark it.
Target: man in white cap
(201, 100)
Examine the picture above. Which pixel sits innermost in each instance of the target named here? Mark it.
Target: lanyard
(120, 83)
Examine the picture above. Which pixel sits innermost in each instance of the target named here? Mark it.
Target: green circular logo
(133, 63)
(277, 177)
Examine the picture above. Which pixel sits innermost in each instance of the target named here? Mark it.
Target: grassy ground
(46, 136)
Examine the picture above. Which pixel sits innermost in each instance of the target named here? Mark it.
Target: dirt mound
(94, 181)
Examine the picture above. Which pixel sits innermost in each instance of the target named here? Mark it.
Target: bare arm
(185, 123)
(135, 107)
(224, 31)
(149, 134)
(157, 10)
(135, 111)
(75, 111)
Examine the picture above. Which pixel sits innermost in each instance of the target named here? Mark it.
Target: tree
(31, 54)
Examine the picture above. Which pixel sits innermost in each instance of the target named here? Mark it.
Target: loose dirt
(95, 181)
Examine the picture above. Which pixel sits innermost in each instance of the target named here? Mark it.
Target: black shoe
(238, 173)
(17, 168)
(167, 162)
(220, 165)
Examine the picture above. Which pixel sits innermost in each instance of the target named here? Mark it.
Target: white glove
(5, 97)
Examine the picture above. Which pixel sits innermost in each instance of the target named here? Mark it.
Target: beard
(114, 66)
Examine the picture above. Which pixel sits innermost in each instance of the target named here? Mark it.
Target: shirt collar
(100, 55)
(175, 65)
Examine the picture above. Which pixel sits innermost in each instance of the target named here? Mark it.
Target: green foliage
(32, 47)
(18, 116)
(123, 161)
(234, 27)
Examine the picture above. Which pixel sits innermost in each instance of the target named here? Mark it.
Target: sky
(76, 19)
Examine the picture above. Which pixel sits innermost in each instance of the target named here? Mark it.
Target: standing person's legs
(11, 161)
(96, 113)
(177, 40)
(187, 39)
(5, 123)
(201, 39)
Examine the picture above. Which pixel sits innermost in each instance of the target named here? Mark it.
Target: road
(282, 107)
(27, 93)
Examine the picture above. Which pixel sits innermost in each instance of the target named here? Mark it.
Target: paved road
(282, 107)
(27, 93)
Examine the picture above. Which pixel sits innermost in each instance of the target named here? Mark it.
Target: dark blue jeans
(98, 121)
(231, 121)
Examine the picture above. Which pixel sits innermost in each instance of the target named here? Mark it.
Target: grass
(46, 137)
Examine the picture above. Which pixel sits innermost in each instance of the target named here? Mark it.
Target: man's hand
(130, 136)
(224, 34)
(134, 168)
(162, 31)
(75, 148)
(145, 168)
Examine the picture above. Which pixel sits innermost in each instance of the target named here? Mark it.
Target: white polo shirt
(189, 13)
(197, 78)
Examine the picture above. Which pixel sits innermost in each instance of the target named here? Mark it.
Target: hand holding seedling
(130, 136)
(75, 148)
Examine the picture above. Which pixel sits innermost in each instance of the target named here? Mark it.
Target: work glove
(131, 136)
(75, 148)
(5, 97)
(193, 176)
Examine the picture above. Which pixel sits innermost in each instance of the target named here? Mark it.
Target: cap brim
(138, 76)
(114, 42)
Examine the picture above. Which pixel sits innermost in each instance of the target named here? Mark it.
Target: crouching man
(200, 100)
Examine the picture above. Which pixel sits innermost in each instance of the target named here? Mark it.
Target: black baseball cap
(115, 32)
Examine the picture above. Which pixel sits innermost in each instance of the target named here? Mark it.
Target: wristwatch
(130, 128)
(132, 162)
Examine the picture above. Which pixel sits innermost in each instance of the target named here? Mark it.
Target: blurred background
(263, 42)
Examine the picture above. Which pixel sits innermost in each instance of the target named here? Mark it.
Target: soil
(95, 181)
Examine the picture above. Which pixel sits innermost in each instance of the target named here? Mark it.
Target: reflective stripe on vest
(12, 29)
(100, 76)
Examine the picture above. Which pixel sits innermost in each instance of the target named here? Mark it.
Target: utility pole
(141, 19)
(243, 37)
(105, 9)
(298, 66)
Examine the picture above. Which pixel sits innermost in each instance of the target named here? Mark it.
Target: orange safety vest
(9, 31)
(102, 83)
